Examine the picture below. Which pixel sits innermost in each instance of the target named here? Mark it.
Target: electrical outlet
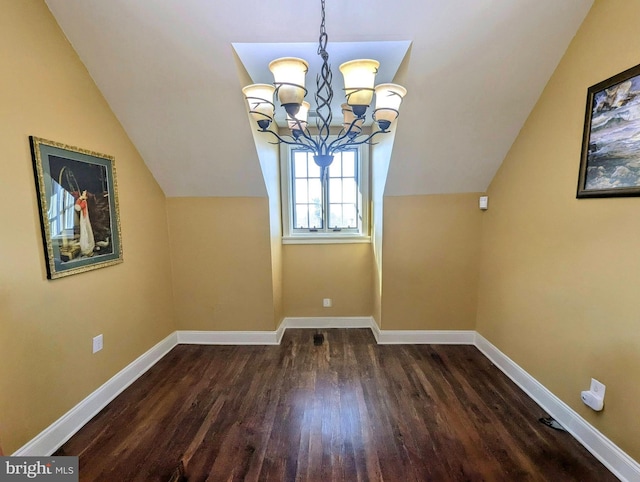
(597, 388)
(326, 302)
(97, 343)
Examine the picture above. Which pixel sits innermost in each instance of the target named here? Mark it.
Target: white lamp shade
(388, 100)
(359, 78)
(260, 100)
(286, 71)
(301, 118)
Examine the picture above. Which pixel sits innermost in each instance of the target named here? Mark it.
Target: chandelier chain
(324, 91)
(322, 43)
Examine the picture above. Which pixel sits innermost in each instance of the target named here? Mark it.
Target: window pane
(335, 216)
(314, 169)
(335, 190)
(300, 164)
(349, 164)
(349, 190)
(315, 191)
(301, 216)
(335, 169)
(315, 216)
(349, 215)
(301, 193)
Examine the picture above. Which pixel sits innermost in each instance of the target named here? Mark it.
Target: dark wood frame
(589, 147)
(71, 184)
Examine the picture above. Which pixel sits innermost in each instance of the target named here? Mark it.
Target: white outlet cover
(597, 388)
(326, 302)
(97, 343)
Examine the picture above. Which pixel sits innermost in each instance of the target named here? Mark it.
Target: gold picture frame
(78, 203)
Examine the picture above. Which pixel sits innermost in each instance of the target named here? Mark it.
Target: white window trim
(288, 237)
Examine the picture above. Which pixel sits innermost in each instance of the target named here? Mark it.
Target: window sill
(327, 239)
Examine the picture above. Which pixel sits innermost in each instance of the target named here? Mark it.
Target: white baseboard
(616, 460)
(386, 337)
(51, 438)
(228, 337)
(270, 337)
(421, 337)
(611, 456)
(328, 322)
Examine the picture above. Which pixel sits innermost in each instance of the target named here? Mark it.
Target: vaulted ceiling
(474, 70)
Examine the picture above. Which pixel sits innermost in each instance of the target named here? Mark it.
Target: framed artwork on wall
(78, 202)
(610, 160)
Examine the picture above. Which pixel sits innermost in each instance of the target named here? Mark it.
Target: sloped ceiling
(474, 71)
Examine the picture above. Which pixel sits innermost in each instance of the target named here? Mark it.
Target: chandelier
(289, 85)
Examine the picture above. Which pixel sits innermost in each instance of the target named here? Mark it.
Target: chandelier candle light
(289, 80)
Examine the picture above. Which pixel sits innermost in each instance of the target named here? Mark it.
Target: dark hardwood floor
(349, 410)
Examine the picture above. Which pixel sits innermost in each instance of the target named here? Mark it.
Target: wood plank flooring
(349, 410)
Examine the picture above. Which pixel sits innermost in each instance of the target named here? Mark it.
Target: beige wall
(46, 327)
(379, 168)
(221, 262)
(268, 155)
(276, 258)
(271, 172)
(430, 260)
(560, 276)
(342, 272)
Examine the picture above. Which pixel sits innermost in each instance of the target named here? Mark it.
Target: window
(61, 212)
(333, 209)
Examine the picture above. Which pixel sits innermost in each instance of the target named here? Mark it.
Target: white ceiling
(168, 69)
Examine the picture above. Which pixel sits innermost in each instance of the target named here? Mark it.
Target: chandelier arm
(337, 141)
(304, 132)
(351, 134)
(311, 147)
(311, 141)
(345, 135)
(353, 143)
